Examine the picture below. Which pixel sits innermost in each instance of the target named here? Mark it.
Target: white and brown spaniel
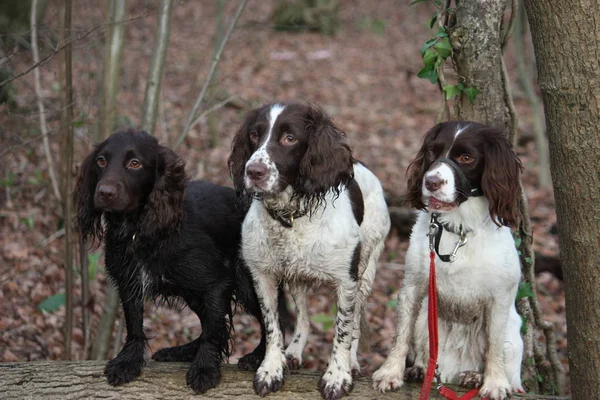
(315, 216)
(465, 179)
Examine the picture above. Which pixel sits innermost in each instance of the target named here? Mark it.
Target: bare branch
(40, 102)
(155, 72)
(511, 23)
(213, 67)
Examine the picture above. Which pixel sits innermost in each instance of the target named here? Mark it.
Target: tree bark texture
(567, 45)
(477, 53)
(155, 71)
(84, 380)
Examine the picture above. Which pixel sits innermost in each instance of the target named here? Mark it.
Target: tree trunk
(155, 71)
(477, 48)
(477, 43)
(112, 64)
(67, 124)
(83, 380)
(566, 42)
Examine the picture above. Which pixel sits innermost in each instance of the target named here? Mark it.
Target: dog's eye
(288, 139)
(465, 159)
(253, 136)
(101, 161)
(134, 164)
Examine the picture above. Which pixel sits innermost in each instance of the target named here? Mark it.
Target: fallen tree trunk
(85, 379)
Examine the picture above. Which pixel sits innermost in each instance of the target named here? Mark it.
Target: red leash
(432, 322)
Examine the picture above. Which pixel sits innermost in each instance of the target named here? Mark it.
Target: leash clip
(461, 242)
(433, 230)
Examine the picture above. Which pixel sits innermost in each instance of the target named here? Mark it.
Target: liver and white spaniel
(315, 215)
(467, 177)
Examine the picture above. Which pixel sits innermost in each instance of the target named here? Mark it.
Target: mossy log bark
(85, 380)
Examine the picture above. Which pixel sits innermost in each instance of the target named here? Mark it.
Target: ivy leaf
(325, 319)
(430, 57)
(471, 93)
(52, 303)
(428, 72)
(393, 303)
(524, 291)
(451, 91)
(427, 45)
(442, 32)
(433, 19)
(443, 47)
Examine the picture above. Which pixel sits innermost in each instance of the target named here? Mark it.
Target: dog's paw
(202, 379)
(251, 361)
(414, 374)
(470, 379)
(388, 378)
(171, 354)
(356, 373)
(293, 362)
(121, 370)
(268, 381)
(335, 384)
(495, 389)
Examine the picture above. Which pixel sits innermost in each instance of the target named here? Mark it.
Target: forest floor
(365, 77)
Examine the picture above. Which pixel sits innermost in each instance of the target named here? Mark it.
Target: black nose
(107, 193)
(433, 183)
(256, 171)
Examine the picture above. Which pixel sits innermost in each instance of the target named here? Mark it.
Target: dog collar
(464, 182)
(435, 236)
(285, 217)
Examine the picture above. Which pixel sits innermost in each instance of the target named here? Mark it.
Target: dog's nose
(256, 171)
(433, 183)
(107, 193)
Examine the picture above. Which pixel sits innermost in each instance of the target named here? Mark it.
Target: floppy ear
(328, 161)
(164, 209)
(500, 180)
(241, 151)
(417, 168)
(88, 220)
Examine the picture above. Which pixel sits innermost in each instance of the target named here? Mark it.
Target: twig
(56, 235)
(25, 143)
(511, 23)
(40, 102)
(214, 108)
(68, 155)
(213, 67)
(68, 44)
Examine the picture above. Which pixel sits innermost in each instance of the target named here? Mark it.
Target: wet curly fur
(166, 238)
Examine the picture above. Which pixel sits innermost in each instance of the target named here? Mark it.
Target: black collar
(286, 217)
(435, 236)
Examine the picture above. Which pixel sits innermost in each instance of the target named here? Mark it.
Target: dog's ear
(241, 151)
(164, 209)
(500, 181)
(88, 220)
(328, 161)
(417, 168)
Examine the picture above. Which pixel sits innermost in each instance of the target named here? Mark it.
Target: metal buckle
(461, 242)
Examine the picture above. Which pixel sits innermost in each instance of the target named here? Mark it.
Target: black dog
(168, 238)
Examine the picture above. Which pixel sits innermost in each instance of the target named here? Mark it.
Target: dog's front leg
(269, 376)
(337, 380)
(391, 374)
(129, 363)
(294, 350)
(495, 383)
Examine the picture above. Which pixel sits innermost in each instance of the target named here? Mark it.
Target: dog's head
(127, 173)
(296, 145)
(459, 159)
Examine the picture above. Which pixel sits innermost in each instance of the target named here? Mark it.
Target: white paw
(269, 376)
(495, 389)
(388, 378)
(293, 355)
(335, 383)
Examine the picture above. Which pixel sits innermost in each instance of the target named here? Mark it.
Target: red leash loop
(432, 324)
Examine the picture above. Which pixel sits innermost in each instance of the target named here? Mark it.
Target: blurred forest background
(358, 59)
